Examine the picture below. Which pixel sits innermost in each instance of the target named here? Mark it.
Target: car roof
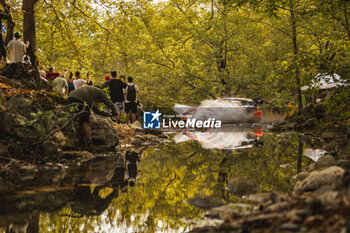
(234, 98)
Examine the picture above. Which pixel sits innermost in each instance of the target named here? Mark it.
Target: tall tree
(10, 21)
(29, 29)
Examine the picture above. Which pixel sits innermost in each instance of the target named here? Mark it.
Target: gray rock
(27, 172)
(50, 147)
(330, 200)
(325, 161)
(334, 133)
(259, 197)
(139, 137)
(301, 176)
(289, 226)
(60, 138)
(103, 132)
(327, 179)
(77, 155)
(224, 212)
(331, 146)
(311, 167)
(136, 142)
(205, 202)
(310, 123)
(343, 163)
(242, 185)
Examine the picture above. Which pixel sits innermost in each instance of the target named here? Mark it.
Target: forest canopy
(189, 50)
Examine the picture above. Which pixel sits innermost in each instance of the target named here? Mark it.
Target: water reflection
(227, 138)
(126, 194)
(87, 190)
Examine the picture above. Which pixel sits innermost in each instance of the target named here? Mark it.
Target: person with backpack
(116, 91)
(130, 92)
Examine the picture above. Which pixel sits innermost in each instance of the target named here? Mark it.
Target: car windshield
(237, 102)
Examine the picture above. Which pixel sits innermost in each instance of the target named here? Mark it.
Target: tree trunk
(295, 52)
(10, 23)
(29, 30)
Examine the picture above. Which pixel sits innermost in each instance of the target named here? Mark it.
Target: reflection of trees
(166, 178)
(175, 173)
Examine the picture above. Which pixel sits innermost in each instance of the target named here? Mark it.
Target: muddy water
(110, 194)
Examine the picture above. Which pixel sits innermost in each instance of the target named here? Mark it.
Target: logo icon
(151, 120)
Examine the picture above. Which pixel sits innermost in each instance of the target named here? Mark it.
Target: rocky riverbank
(320, 202)
(38, 126)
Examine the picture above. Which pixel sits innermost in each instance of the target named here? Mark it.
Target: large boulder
(205, 202)
(325, 161)
(103, 132)
(325, 180)
(20, 72)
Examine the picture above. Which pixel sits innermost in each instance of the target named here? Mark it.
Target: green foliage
(187, 51)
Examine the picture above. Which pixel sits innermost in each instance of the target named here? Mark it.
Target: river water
(110, 194)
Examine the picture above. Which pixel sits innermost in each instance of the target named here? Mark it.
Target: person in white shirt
(17, 48)
(78, 82)
(130, 92)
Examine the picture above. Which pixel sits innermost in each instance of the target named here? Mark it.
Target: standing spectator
(42, 73)
(130, 100)
(88, 80)
(3, 15)
(63, 75)
(70, 82)
(51, 75)
(78, 82)
(17, 48)
(105, 84)
(116, 87)
(60, 85)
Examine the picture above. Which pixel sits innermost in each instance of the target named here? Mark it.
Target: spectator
(88, 80)
(42, 72)
(60, 85)
(17, 48)
(78, 82)
(91, 96)
(105, 84)
(63, 75)
(130, 92)
(116, 87)
(70, 82)
(51, 75)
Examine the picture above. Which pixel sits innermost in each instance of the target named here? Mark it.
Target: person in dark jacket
(88, 98)
(116, 87)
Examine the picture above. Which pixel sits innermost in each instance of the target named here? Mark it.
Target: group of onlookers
(122, 91)
(123, 98)
(61, 83)
(123, 95)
